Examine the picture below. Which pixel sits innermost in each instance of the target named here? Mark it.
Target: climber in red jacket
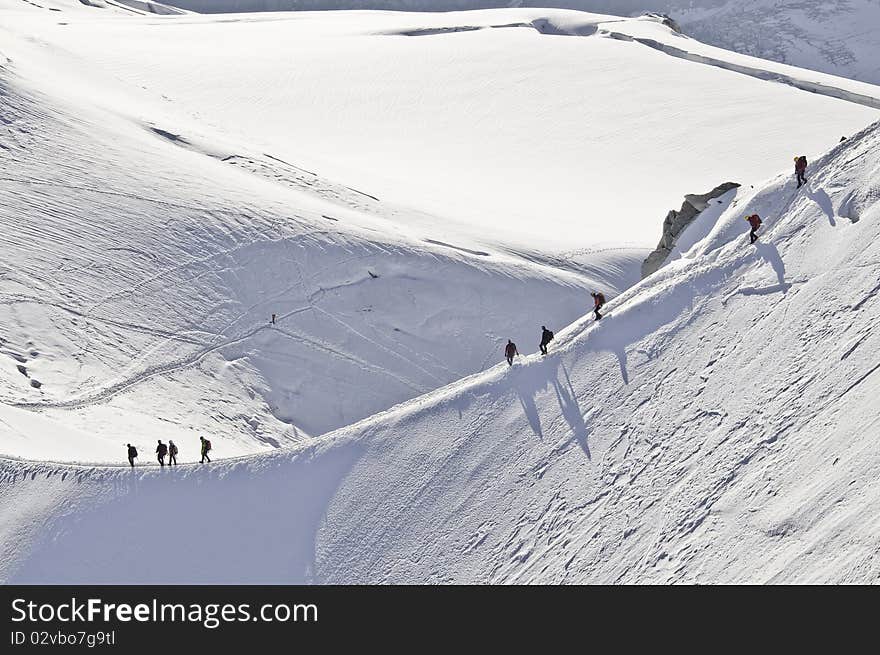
(755, 221)
(800, 170)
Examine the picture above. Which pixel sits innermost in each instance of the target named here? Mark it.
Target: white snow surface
(841, 37)
(405, 204)
(718, 425)
(499, 131)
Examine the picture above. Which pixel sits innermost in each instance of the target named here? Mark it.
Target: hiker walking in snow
(800, 170)
(132, 453)
(161, 451)
(546, 338)
(510, 352)
(755, 221)
(206, 448)
(172, 453)
(598, 303)
(273, 319)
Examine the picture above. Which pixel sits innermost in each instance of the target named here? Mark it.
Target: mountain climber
(800, 170)
(755, 221)
(161, 451)
(132, 453)
(206, 448)
(510, 352)
(273, 319)
(546, 338)
(172, 453)
(598, 303)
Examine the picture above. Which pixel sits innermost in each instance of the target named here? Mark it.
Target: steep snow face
(718, 425)
(834, 37)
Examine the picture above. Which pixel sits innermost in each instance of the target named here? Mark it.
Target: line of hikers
(170, 451)
(510, 350)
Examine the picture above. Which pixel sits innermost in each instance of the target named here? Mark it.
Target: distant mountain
(832, 36)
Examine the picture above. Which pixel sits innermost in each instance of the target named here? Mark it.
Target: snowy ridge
(719, 425)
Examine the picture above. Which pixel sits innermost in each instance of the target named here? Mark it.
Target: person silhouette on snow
(161, 451)
(755, 221)
(598, 303)
(800, 170)
(510, 352)
(206, 448)
(172, 453)
(546, 338)
(132, 453)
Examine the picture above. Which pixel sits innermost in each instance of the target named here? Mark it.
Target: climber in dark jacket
(161, 451)
(510, 352)
(800, 170)
(598, 303)
(546, 338)
(206, 448)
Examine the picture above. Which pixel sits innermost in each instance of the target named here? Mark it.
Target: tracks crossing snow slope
(719, 425)
(156, 224)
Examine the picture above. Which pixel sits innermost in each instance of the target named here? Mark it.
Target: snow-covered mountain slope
(514, 134)
(402, 203)
(139, 278)
(718, 425)
(839, 37)
(140, 269)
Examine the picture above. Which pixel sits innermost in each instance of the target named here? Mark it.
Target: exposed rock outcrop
(677, 221)
(666, 20)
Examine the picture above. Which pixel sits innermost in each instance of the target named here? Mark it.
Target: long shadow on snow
(820, 197)
(614, 333)
(253, 521)
(622, 328)
(571, 411)
(770, 254)
(530, 380)
(765, 291)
